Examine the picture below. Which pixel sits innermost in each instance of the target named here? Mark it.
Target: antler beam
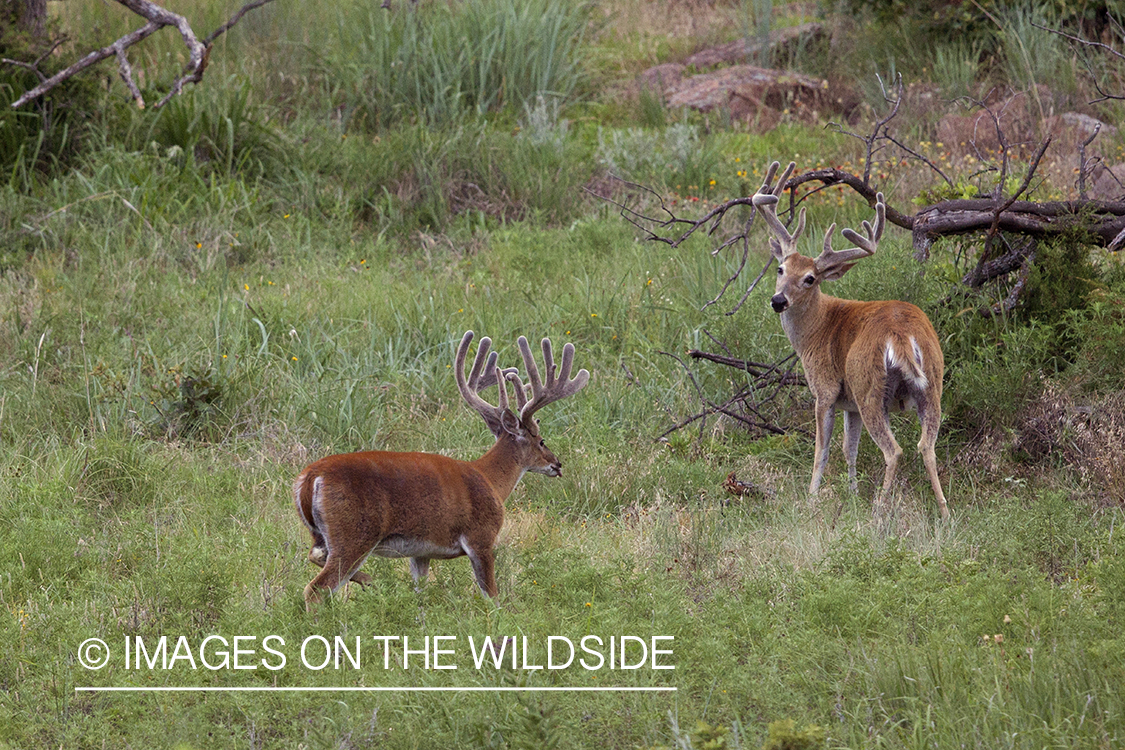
(766, 199)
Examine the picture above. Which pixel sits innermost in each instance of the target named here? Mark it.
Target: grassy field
(196, 303)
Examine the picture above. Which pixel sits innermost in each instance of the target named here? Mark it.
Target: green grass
(196, 304)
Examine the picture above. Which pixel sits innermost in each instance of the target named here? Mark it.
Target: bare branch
(1080, 40)
(157, 18)
(126, 71)
(1084, 167)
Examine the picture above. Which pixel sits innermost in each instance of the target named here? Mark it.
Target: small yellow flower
(712, 183)
(293, 358)
(199, 246)
(588, 604)
(286, 216)
(224, 356)
(593, 315)
(246, 287)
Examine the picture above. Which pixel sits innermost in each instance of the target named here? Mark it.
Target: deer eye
(809, 280)
(780, 270)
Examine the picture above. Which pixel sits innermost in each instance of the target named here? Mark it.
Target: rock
(1107, 183)
(746, 49)
(661, 78)
(758, 96)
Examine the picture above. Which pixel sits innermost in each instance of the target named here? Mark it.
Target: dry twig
(156, 18)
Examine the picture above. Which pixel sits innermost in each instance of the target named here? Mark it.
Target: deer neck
(501, 467)
(802, 323)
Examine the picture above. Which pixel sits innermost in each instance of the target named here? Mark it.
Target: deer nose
(779, 303)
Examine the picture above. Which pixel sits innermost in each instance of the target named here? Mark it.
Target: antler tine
(866, 244)
(521, 390)
(766, 200)
(471, 387)
(873, 233)
(559, 383)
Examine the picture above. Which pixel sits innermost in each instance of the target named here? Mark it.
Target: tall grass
(439, 61)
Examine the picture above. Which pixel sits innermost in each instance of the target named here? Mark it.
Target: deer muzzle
(779, 303)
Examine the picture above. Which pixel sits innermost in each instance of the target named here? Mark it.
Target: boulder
(747, 50)
(760, 97)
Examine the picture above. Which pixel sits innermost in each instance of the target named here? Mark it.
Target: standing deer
(426, 506)
(867, 358)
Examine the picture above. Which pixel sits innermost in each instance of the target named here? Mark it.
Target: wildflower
(588, 604)
(199, 246)
(294, 358)
(246, 287)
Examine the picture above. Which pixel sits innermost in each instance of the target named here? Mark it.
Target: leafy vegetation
(195, 303)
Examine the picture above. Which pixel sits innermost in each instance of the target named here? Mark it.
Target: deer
(428, 506)
(866, 358)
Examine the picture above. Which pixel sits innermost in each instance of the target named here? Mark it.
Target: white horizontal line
(467, 689)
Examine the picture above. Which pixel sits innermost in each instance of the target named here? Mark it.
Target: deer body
(865, 358)
(427, 506)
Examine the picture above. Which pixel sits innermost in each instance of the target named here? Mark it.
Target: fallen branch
(752, 404)
(157, 18)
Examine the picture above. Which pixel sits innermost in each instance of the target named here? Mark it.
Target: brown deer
(426, 506)
(867, 358)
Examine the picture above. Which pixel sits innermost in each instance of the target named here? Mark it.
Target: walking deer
(867, 358)
(426, 506)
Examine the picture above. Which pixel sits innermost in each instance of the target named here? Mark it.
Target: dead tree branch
(753, 403)
(156, 18)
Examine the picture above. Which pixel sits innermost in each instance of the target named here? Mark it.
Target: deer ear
(510, 424)
(775, 249)
(834, 271)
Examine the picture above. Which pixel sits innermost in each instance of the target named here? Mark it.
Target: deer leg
(931, 419)
(825, 419)
(419, 568)
(878, 424)
(318, 555)
(853, 427)
(341, 565)
(484, 566)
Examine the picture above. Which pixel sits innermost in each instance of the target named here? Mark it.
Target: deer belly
(401, 546)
